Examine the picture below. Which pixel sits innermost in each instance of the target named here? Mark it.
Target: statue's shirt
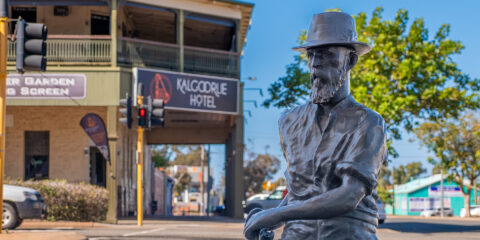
(352, 140)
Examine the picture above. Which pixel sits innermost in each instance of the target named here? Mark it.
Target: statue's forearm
(284, 201)
(333, 203)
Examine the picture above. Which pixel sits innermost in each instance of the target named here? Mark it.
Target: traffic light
(142, 117)
(156, 112)
(31, 47)
(127, 111)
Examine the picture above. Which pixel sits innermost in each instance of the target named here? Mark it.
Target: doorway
(29, 14)
(37, 145)
(97, 168)
(100, 24)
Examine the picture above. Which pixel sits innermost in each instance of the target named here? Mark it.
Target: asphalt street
(395, 228)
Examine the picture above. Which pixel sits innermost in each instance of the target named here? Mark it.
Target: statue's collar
(342, 104)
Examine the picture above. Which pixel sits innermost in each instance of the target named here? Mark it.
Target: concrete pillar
(111, 173)
(180, 20)
(113, 32)
(234, 178)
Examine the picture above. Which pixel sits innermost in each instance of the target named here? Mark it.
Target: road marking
(143, 232)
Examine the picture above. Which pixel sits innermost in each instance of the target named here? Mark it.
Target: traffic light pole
(139, 168)
(3, 87)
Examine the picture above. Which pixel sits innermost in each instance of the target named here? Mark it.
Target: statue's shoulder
(368, 114)
(297, 114)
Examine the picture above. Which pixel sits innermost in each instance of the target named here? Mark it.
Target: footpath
(44, 230)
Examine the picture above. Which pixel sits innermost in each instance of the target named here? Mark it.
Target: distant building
(420, 194)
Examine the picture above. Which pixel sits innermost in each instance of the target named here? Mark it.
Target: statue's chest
(309, 157)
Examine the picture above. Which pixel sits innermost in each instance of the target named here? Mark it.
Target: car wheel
(9, 216)
(381, 221)
(19, 222)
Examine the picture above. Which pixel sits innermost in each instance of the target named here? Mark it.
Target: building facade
(421, 194)
(94, 50)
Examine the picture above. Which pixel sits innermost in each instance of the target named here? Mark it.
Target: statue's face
(328, 71)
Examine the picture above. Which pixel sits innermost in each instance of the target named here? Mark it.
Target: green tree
(407, 77)
(384, 185)
(187, 155)
(183, 179)
(259, 168)
(405, 173)
(456, 145)
(161, 156)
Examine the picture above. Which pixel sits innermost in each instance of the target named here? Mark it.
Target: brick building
(94, 48)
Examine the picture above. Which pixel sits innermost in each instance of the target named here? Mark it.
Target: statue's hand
(258, 219)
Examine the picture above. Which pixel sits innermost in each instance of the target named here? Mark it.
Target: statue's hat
(333, 28)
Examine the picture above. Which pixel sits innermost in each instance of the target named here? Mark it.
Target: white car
(437, 212)
(260, 196)
(381, 212)
(20, 203)
(474, 211)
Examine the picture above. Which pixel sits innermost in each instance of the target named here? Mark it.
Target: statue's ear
(353, 58)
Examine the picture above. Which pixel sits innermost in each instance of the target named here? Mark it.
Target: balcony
(95, 50)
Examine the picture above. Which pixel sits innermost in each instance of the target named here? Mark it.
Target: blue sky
(275, 28)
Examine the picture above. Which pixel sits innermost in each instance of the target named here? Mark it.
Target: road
(396, 228)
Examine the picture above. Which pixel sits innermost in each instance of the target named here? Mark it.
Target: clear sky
(275, 28)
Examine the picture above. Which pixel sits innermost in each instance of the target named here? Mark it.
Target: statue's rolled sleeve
(365, 154)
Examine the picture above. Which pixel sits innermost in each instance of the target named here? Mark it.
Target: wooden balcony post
(113, 32)
(180, 20)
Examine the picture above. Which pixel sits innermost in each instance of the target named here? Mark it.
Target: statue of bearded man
(333, 145)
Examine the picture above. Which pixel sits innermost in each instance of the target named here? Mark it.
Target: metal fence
(72, 50)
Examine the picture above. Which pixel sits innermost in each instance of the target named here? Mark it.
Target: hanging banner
(192, 92)
(95, 129)
(46, 86)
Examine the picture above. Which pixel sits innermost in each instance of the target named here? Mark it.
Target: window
(36, 154)
(277, 195)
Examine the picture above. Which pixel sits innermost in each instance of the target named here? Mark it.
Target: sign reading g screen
(191, 92)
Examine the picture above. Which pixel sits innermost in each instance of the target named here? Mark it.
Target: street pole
(442, 196)
(3, 87)
(202, 186)
(208, 180)
(139, 168)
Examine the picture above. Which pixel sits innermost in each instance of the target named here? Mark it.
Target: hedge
(70, 201)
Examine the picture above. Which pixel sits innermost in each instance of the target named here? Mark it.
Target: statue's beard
(324, 88)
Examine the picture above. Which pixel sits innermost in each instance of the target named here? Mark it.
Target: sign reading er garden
(189, 91)
(46, 86)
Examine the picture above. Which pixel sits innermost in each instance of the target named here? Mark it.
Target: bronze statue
(333, 145)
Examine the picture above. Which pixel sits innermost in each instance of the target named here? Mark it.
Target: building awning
(59, 2)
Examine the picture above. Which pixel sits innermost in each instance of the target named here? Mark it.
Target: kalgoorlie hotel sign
(192, 92)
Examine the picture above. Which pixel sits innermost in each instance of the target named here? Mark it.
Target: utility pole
(208, 180)
(139, 167)
(442, 213)
(202, 185)
(3, 87)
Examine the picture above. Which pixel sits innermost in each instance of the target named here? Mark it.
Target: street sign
(190, 92)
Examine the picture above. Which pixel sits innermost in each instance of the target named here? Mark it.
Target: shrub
(70, 201)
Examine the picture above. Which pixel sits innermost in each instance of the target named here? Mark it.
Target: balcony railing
(143, 53)
(73, 49)
(95, 50)
(211, 62)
